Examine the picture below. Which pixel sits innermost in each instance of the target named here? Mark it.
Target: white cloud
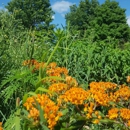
(128, 20)
(61, 6)
(2, 8)
(53, 17)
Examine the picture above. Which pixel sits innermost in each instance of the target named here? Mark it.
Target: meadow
(58, 81)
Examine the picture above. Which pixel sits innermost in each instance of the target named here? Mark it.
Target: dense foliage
(32, 13)
(106, 21)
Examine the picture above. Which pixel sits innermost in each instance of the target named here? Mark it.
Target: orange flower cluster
(103, 85)
(98, 92)
(122, 94)
(53, 70)
(75, 95)
(71, 81)
(59, 88)
(123, 113)
(89, 108)
(1, 126)
(34, 64)
(113, 113)
(51, 111)
(105, 92)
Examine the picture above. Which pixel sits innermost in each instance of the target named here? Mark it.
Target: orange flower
(51, 110)
(75, 95)
(96, 121)
(125, 113)
(128, 123)
(33, 64)
(123, 93)
(113, 113)
(1, 126)
(58, 87)
(71, 81)
(89, 109)
(101, 92)
(52, 65)
(30, 62)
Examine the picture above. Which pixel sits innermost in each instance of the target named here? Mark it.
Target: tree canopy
(33, 13)
(106, 20)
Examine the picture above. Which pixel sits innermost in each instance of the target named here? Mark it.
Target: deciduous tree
(108, 20)
(33, 13)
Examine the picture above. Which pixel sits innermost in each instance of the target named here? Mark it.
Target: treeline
(105, 21)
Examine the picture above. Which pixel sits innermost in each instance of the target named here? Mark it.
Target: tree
(33, 13)
(107, 20)
(79, 18)
(111, 22)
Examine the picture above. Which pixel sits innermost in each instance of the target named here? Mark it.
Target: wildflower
(58, 87)
(1, 126)
(53, 70)
(125, 113)
(58, 71)
(51, 110)
(30, 62)
(75, 95)
(89, 109)
(100, 92)
(34, 64)
(88, 115)
(71, 81)
(96, 121)
(52, 65)
(113, 113)
(99, 117)
(123, 93)
(103, 85)
(128, 123)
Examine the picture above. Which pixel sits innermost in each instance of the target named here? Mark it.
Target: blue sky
(61, 7)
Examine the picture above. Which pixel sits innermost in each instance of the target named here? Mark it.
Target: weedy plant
(57, 101)
(41, 95)
(60, 103)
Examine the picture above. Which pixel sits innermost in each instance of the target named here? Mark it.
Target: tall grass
(92, 61)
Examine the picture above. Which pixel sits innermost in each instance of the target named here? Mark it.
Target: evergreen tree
(33, 13)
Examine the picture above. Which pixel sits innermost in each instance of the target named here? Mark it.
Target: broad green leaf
(32, 93)
(43, 90)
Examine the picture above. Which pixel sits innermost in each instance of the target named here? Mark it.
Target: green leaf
(43, 90)
(25, 98)
(107, 121)
(17, 120)
(32, 93)
(46, 78)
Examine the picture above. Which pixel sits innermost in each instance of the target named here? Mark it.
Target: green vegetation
(92, 50)
(106, 21)
(32, 13)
